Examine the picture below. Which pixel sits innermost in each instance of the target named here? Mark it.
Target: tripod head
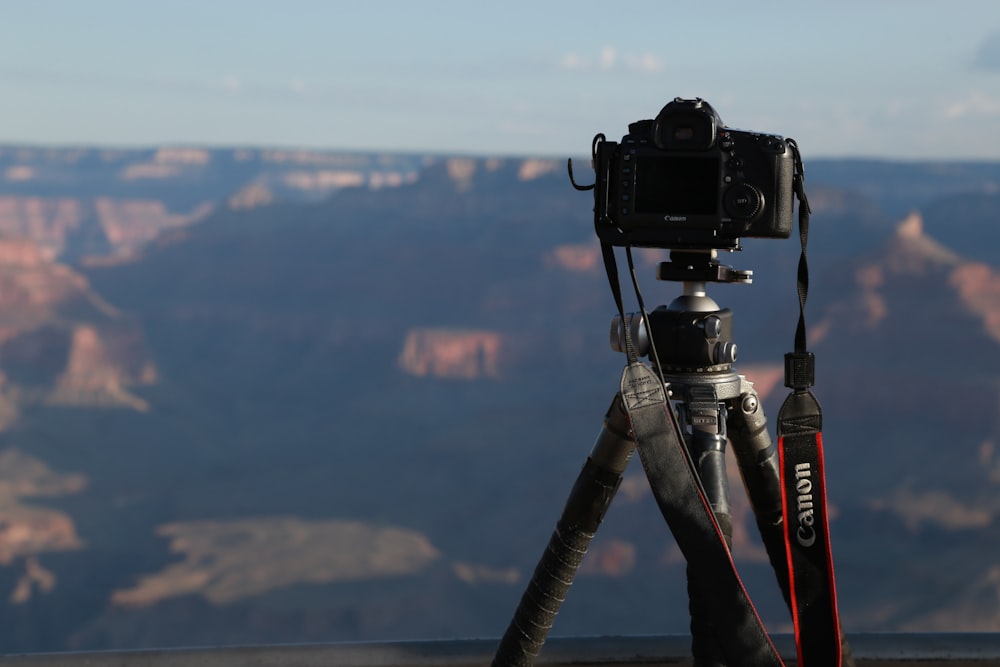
(692, 334)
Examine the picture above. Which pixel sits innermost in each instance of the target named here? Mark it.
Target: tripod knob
(712, 326)
(724, 352)
(636, 331)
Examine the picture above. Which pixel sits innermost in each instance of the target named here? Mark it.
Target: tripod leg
(706, 444)
(585, 508)
(758, 463)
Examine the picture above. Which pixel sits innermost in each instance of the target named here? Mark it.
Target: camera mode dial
(743, 201)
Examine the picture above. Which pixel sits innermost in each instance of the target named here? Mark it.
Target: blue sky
(893, 78)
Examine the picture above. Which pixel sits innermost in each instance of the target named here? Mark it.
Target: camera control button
(743, 201)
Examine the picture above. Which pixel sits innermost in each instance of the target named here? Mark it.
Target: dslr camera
(686, 181)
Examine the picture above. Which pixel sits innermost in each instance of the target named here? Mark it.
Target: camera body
(684, 180)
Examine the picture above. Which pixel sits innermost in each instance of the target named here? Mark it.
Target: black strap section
(812, 594)
(800, 365)
(681, 499)
(611, 266)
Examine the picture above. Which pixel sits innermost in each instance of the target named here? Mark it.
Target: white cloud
(608, 57)
(232, 84)
(974, 104)
(609, 60)
(573, 61)
(645, 62)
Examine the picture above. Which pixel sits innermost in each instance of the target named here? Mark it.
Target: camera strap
(812, 590)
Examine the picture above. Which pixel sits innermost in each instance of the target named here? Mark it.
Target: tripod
(690, 344)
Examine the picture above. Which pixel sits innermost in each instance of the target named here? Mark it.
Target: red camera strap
(811, 585)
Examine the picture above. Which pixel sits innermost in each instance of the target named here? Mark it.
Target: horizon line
(425, 153)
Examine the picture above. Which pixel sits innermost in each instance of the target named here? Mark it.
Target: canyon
(253, 395)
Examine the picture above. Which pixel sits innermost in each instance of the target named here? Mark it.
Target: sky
(894, 79)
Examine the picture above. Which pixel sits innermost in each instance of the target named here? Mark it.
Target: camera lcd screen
(685, 185)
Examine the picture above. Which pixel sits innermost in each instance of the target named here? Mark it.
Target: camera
(686, 181)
